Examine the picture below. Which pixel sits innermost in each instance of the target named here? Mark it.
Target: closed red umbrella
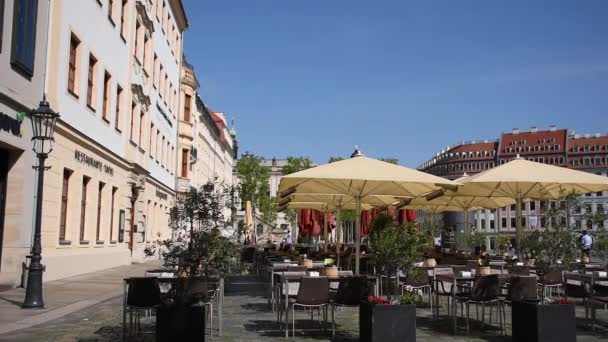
(366, 220)
(411, 215)
(402, 216)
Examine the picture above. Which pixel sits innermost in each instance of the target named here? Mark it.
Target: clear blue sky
(400, 78)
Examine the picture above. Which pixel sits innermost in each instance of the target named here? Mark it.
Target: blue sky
(401, 79)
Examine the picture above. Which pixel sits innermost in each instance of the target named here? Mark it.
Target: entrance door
(4, 156)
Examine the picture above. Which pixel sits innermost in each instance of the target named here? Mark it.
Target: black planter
(387, 323)
(551, 322)
(180, 323)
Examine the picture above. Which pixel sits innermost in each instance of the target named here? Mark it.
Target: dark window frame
(83, 208)
(1, 22)
(24, 31)
(100, 188)
(65, 194)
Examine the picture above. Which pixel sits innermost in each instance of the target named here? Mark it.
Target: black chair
(599, 294)
(442, 289)
(484, 292)
(312, 293)
(140, 293)
(418, 281)
(520, 270)
(548, 282)
(351, 291)
(576, 287)
(199, 292)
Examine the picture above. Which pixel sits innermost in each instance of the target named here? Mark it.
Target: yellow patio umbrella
(362, 177)
(522, 179)
(457, 201)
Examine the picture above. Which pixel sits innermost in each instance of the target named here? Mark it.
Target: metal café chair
(418, 281)
(140, 293)
(312, 293)
(442, 289)
(484, 292)
(351, 291)
(599, 293)
(576, 286)
(286, 288)
(548, 282)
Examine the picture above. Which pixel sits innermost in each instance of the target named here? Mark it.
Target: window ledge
(141, 150)
(112, 242)
(132, 142)
(118, 129)
(84, 242)
(106, 119)
(91, 108)
(65, 242)
(71, 92)
(111, 20)
(100, 242)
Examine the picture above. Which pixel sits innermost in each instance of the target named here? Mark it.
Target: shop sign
(92, 162)
(10, 124)
(161, 195)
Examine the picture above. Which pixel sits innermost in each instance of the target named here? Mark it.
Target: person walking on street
(586, 241)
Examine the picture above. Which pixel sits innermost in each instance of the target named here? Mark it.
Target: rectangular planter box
(180, 323)
(387, 323)
(550, 323)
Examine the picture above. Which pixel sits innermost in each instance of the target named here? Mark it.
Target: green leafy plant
(408, 297)
(502, 243)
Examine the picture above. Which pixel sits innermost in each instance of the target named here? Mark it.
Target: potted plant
(383, 320)
(502, 244)
(553, 249)
(396, 247)
(204, 253)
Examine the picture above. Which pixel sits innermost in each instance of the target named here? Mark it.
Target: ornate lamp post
(43, 128)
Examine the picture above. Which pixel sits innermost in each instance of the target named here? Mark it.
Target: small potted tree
(204, 253)
(396, 247)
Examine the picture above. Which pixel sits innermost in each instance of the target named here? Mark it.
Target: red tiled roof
(592, 142)
(220, 125)
(474, 147)
(532, 139)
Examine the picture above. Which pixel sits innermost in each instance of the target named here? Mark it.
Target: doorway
(4, 160)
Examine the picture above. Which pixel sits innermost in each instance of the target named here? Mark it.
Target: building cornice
(177, 7)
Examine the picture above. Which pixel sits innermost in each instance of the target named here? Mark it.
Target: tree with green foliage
(334, 159)
(254, 186)
(390, 160)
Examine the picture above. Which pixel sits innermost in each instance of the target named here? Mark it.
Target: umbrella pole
(338, 233)
(519, 228)
(325, 231)
(466, 232)
(357, 234)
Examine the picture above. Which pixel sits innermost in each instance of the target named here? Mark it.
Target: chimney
(534, 129)
(515, 130)
(597, 135)
(552, 128)
(587, 135)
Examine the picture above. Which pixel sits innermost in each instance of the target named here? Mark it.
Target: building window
(185, 160)
(65, 188)
(99, 199)
(151, 146)
(133, 107)
(161, 81)
(123, 20)
(106, 96)
(172, 158)
(91, 82)
(142, 120)
(138, 47)
(111, 11)
(165, 88)
(23, 52)
(156, 149)
(187, 101)
(513, 222)
(587, 162)
(114, 190)
(523, 221)
(1, 22)
(155, 72)
(162, 152)
(73, 65)
(83, 208)
(117, 123)
(492, 224)
(503, 222)
(532, 205)
(121, 225)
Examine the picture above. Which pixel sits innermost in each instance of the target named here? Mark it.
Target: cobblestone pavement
(247, 317)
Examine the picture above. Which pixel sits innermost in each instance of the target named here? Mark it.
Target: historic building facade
(114, 77)
(23, 45)
(561, 147)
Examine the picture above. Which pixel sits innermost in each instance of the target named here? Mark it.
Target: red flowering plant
(376, 300)
(566, 301)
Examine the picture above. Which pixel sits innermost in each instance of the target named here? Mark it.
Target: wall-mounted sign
(11, 124)
(92, 162)
(161, 195)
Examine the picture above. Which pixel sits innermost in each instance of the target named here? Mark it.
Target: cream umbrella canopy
(456, 201)
(523, 179)
(362, 177)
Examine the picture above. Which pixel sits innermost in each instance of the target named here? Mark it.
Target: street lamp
(43, 127)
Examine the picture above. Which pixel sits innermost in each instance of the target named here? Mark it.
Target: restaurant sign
(10, 124)
(92, 162)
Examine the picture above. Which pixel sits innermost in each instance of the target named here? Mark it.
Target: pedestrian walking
(586, 242)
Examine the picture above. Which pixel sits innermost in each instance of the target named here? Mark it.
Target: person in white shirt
(586, 242)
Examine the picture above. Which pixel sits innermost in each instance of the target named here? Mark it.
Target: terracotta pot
(307, 263)
(530, 262)
(484, 270)
(430, 262)
(331, 272)
(586, 260)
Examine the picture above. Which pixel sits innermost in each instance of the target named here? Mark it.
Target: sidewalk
(65, 296)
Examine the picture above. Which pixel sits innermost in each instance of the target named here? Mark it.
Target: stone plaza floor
(247, 317)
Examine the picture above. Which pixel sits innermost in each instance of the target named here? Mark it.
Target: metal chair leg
(293, 322)
(468, 329)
